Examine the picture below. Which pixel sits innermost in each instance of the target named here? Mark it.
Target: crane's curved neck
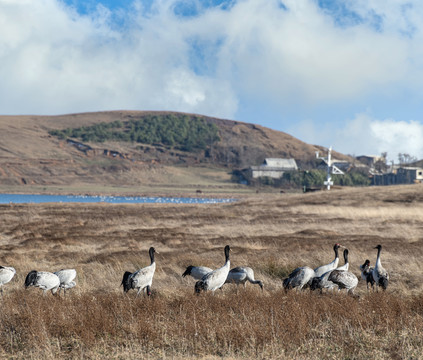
(378, 263)
(227, 260)
(336, 252)
(152, 255)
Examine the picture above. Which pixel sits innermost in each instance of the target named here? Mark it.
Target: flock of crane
(329, 276)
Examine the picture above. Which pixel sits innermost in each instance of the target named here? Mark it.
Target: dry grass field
(272, 233)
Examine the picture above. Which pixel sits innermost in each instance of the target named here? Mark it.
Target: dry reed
(272, 234)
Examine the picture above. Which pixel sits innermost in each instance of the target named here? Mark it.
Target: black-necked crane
(197, 272)
(242, 274)
(319, 271)
(6, 274)
(344, 280)
(323, 282)
(44, 280)
(214, 280)
(380, 275)
(142, 278)
(66, 277)
(367, 274)
(298, 278)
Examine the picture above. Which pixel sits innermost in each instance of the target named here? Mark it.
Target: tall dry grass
(243, 325)
(271, 233)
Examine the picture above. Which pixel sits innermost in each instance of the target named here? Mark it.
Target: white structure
(331, 169)
(273, 168)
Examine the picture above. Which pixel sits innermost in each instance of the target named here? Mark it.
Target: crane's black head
(379, 247)
(227, 249)
(366, 263)
(199, 285)
(30, 278)
(152, 251)
(126, 281)
(315, 283)
(260, 284)
(187, 271)
(346, 255)
(336, 246)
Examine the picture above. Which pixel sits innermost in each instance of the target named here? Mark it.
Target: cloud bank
(366, 135)
(216, 59)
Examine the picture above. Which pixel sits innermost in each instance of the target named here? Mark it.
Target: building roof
(281, 163)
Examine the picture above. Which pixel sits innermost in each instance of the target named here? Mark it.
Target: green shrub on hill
(181, 131)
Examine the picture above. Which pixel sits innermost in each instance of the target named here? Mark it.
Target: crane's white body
(197, 272)
(344, 280)
(298, 278)
(44, 280)
(6, 274)
(242, 274)
(143, 277)
(214, 280)
(66, 277)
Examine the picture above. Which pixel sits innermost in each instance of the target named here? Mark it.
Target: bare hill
(29, 155)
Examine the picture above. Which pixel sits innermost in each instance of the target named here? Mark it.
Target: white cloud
(54, 60)
(366, 135)
(58, 60)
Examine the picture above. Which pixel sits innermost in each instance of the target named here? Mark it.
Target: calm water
(36, 199)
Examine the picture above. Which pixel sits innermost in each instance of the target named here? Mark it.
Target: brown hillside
(29, 155)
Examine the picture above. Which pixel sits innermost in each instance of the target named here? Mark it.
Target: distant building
(370, 160)
(273, 168)
(403, 175)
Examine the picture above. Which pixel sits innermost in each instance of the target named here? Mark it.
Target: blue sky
(346, 74)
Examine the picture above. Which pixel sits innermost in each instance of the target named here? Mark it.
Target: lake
(37, 199)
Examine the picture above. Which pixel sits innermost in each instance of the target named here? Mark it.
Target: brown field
(272, 233)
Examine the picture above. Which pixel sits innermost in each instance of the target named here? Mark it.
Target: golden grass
(271, 233)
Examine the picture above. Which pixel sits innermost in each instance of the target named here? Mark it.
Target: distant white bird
(298, 278)
(43, 280)
(242, 274)
(331, 266)
(197, 272)
(215, 279)
(380, 275)
(367, 274)
(344, 279)
(66, 277)
(6, 274)
(141, 279)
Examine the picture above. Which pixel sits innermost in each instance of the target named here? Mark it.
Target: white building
(273, 168)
